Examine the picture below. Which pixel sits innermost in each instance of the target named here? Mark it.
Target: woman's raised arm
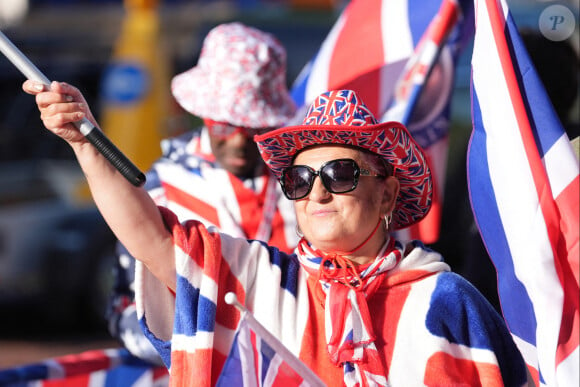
(128, 210)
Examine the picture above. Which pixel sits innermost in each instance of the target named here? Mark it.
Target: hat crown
(339, 107)
(235, 51)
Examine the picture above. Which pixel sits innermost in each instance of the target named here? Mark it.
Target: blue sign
(124, 83)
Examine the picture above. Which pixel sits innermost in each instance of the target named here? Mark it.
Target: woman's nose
(318, 191)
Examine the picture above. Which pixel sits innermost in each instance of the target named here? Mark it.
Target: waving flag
(388, 52)
(259, 359)
(524, 189)
(95, 368)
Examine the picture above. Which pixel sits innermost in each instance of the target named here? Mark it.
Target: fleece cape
(433, 327)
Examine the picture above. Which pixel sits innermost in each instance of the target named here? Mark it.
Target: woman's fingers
(61, 106)
(59, 115)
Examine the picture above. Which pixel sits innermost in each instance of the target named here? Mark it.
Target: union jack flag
(258, 359)
(95, 368)
(384, 51)
(524, 189)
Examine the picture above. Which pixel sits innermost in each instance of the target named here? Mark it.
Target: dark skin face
(238, 153)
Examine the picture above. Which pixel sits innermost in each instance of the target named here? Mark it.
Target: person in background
(215, 174)
(355, 305)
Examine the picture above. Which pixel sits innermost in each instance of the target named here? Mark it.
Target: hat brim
(390, 140)
(204, 94)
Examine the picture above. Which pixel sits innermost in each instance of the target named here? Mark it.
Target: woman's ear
(390, 194)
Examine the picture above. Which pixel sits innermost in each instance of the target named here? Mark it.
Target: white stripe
(408, 370)
(568, 369)
(318, 81)
(246, 358)
(155, 301)
(396, 32)
(460, 351)
(221, 340)
(97, 379)
(201, 340)
(561, 172)
(397, 48)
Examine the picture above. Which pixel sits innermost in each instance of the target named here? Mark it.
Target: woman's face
(341, 222)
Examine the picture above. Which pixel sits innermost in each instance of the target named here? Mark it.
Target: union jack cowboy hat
(340, 118)
(240, 78)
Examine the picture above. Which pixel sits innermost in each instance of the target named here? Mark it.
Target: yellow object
(141, 3)
(136, 86)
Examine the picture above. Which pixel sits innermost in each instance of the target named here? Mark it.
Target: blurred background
(56, 253)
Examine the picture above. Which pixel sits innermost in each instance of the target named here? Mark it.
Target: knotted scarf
(346, 287)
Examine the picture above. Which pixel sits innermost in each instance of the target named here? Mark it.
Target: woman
(356, 306)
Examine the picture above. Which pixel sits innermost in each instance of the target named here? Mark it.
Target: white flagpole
(310, 378)
(95, 136)
(419, 66)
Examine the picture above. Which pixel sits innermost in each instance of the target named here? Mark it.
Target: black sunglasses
(338, 176)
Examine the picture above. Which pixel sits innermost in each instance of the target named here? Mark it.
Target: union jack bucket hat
(340, 118)
(240, 78)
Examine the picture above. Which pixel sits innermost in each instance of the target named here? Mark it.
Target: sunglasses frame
(358, 172)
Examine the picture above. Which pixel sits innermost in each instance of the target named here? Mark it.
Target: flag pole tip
(231, 298)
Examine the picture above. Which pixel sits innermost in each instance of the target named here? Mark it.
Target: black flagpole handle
(111, 152)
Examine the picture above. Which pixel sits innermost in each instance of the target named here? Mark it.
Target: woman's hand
(60, 105)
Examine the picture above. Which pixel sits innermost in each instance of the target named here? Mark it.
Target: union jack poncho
(428, 326)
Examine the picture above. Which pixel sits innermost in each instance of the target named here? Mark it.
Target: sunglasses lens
(297, 181)
(340, 176)
(225, 130)
(221, 130)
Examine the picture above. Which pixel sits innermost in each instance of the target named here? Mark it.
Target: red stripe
(443, 369)
(445, 21)
(569, 205)
(228, 315)
(192, 203)
(199, 368)
(361, 34)
(569, 339)
(545, 195)
(427, 230)
(85, 362)
(256, 356)
(286, 376)
(387, 320)
(75, 381)
(159, 372)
